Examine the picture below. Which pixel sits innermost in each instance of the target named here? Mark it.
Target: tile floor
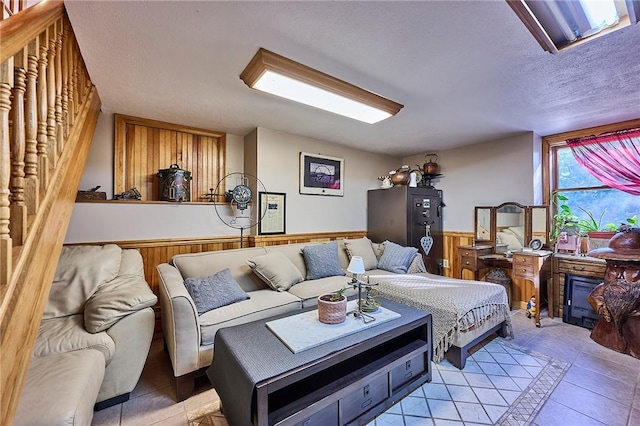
(600, 387)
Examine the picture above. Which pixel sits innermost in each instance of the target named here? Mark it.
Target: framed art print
(271, 206)
(321, 175)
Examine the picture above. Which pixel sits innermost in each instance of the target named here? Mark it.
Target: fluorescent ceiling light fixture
(280, 76)
(559, 24)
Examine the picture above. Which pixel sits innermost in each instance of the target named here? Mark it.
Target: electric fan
(239, 191)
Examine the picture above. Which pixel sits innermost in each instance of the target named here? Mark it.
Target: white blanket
(455, 305)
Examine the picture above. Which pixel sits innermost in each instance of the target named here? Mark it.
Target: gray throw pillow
(214, 291)
(322, 260)
(396, 258)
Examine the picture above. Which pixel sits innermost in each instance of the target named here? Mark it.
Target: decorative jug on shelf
(174, 184)
(400, 176)
(431, 167)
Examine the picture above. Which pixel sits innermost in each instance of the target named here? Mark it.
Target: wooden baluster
(18, 223)
(71, 88)
(6, 81)
(43, 156)
(65, 78)
(58, 114)
(51, 100)
(31, 186)
(76, 85)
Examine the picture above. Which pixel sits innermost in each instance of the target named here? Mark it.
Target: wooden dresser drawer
(523, 266)
(469, 262)
(581, 267)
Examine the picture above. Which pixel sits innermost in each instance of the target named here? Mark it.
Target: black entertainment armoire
(401, 214)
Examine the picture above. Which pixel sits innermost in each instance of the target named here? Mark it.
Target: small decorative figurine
(131, 194)
(531, 307)
(386, 182)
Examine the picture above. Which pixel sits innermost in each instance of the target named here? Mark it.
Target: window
(583, 190)
(558, 24)
(586, 192)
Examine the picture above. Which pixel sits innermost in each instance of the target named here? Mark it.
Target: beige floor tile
(108, 417)
(593, 367)
(151, 408)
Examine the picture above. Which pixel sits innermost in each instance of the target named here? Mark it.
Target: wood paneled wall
(142, 147)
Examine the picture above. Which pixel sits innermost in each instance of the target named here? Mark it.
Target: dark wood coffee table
(347, 381)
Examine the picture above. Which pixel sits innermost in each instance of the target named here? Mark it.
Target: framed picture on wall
(271, 206)
(321, 175)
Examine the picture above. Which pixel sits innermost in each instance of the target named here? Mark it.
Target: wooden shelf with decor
(150, 202)
(144, 147)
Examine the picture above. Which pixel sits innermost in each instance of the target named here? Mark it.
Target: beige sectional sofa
(94, 337)
(276, 279)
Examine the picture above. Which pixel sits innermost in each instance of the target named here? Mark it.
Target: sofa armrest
(132, 336)
(180, 324)
(116, 299)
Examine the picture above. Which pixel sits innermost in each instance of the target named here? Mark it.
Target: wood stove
(577, 310)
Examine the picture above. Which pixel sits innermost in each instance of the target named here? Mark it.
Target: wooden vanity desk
(522, 231)
(532, 266)
(469, 258)
(535, 266)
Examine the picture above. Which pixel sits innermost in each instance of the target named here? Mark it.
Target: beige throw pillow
(362, 247)
(275, 269)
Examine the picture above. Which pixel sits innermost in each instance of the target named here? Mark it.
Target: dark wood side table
(469, 258)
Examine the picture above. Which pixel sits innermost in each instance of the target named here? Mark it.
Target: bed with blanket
(463, 312)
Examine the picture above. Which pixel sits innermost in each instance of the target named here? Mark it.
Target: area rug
(501, 384)
(525, 409)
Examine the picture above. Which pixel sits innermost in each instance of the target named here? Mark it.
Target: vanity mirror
(484, 224)
(512, 226)
(539, 230)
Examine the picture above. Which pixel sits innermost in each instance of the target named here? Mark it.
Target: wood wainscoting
(155, 252)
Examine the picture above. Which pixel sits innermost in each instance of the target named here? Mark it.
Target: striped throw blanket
(455, 305)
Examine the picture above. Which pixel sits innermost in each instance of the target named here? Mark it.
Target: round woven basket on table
(332, 312)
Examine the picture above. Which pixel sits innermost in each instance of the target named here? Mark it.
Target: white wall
(486, 174)
(91, 222)
(278, 169)
(275, 156)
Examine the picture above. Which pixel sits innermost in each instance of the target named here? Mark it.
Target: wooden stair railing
(48, 113)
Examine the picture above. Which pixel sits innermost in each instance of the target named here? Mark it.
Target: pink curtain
(612, 158)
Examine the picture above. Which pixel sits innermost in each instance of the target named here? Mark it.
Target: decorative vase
(330, 312)
(401, 176)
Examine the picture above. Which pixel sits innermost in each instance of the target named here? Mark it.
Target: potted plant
(564, 219)
(332, 307)
(594, 228)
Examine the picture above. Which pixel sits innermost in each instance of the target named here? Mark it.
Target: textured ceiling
(466, 71)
